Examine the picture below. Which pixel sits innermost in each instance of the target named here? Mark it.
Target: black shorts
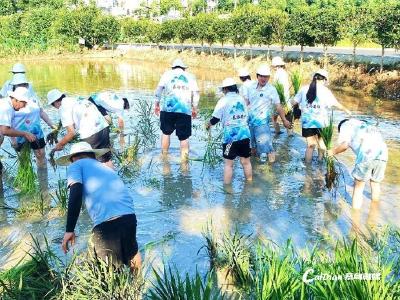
(101, 140)
(38, 144)
(116, 240)
(307, 132)
(180, 122)
(239, 148)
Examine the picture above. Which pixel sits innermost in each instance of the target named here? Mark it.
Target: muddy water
(174, 202)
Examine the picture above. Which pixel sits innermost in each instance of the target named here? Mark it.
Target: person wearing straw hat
(245, 79)
(81, 117)
(371, 153)
(108, 203)
(109, 102)
(231, 110)
(262, 99)
(180, 96)
(28, 119)
(315, 100)
(281, 77)
(15, 101)
(17, 68)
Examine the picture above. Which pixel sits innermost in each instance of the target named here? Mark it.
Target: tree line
(27, 25)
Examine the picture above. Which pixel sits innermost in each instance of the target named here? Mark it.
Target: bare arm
(121, 124)
(46, 118)
(340, 148)
(66, 139)
(281, 113)
(8, 131)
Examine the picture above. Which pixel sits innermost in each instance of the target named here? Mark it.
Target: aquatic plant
(212, 155)
(61, 195)
(296, 78)
(211, 244)
(146, 125)
(128, 159)
(35, 278)
(35, 205)
(26, 178)
(331, 176)
(170, 285)
(284, 102)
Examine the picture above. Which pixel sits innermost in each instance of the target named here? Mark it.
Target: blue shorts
(370, 170)
(261, 138)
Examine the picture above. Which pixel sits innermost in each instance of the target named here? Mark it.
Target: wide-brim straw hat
(80, 147)
(19, 78)
(244, 72)
(53, 96)
(322, 72)
(277, 61)
(264, 70)
(178, 63)
(18, 68)
(21, 94)
(228, 82)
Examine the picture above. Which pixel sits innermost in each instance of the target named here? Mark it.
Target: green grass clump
(61, 195)
(331, 176)
(147, 126)
(170, 285)
(212, 155)
(34, 205)
(128, 159)
(26, 179)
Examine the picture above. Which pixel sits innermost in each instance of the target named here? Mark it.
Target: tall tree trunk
(211, 50)
(282, 47)
(325, 49)
(354, 55)
(234, 51)
(251, 52)
(301, 53)
(222, 45)
(268, 51)
(383, 53)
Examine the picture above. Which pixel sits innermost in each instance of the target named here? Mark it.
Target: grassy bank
(241, 267)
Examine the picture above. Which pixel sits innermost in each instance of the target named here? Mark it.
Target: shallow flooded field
(174, 202)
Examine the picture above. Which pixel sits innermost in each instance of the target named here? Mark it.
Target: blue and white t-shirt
(364, 139)
(8, 87)
(232, 112)
(83, 114)
(28, 119)
(316, 114)
(7, 112)
(106, 196)
(262, 103)
(179, 87)
(110, 101)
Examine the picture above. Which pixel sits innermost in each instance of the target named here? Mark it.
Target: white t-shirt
(262, 102)
(178, 88)
(282, 77)
(84, 115)
(232, 112)
(316, 114)
(364, 139)
(245, 85)
(7, 112)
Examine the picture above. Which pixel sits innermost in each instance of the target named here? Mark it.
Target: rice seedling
(170, 285)
(128, 159)
(284, 102)
(61, 195)
(36, 205)
(93, 278)
(211, 244)
(26, 179)
(331, 176)
(146, 126)
(296, 78)
(35, 278)
(212, 155)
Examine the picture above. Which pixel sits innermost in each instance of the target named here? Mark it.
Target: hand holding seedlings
(30, 137)
(51, 138)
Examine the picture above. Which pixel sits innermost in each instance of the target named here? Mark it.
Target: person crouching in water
(231, 111)
(371, 156)
(315, 101)
(108, 203)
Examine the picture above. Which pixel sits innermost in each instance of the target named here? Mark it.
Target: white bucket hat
(21, 94)
(322, 72)
(19, 78)
(178, 63)
(264, 70)
(80, 148)
(243, 72)
(277, 61)
(53, 96)
(18, 68)
(228, 82)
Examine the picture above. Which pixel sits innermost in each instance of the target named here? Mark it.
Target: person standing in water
(245, 79)
(179, 94)
(262, 99)
(231, 111)
(17, 68)
(281, 77)
(315, 101)
(371, 153)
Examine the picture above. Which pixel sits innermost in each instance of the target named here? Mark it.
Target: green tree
(222, 30)
(279, 20)
(328, 27)
(168, 31)
(198, 6)
(7, 7)
(166, 5)
(358, 26)
(300, 29)
(386, 22)
(225, 5)
(106, 30)
(134, 30)
(153, 32)
(184, 29)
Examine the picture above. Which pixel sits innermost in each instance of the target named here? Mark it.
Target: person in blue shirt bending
(109, 205)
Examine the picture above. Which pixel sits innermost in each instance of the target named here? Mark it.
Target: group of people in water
(244, 110)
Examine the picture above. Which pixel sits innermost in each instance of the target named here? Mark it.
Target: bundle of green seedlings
(296, 78)
(212, 156)
(332, 175)
(61, 195)
(260, 269)
(146, 126)
(128, 159)
(284, 102)
(26, 178)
